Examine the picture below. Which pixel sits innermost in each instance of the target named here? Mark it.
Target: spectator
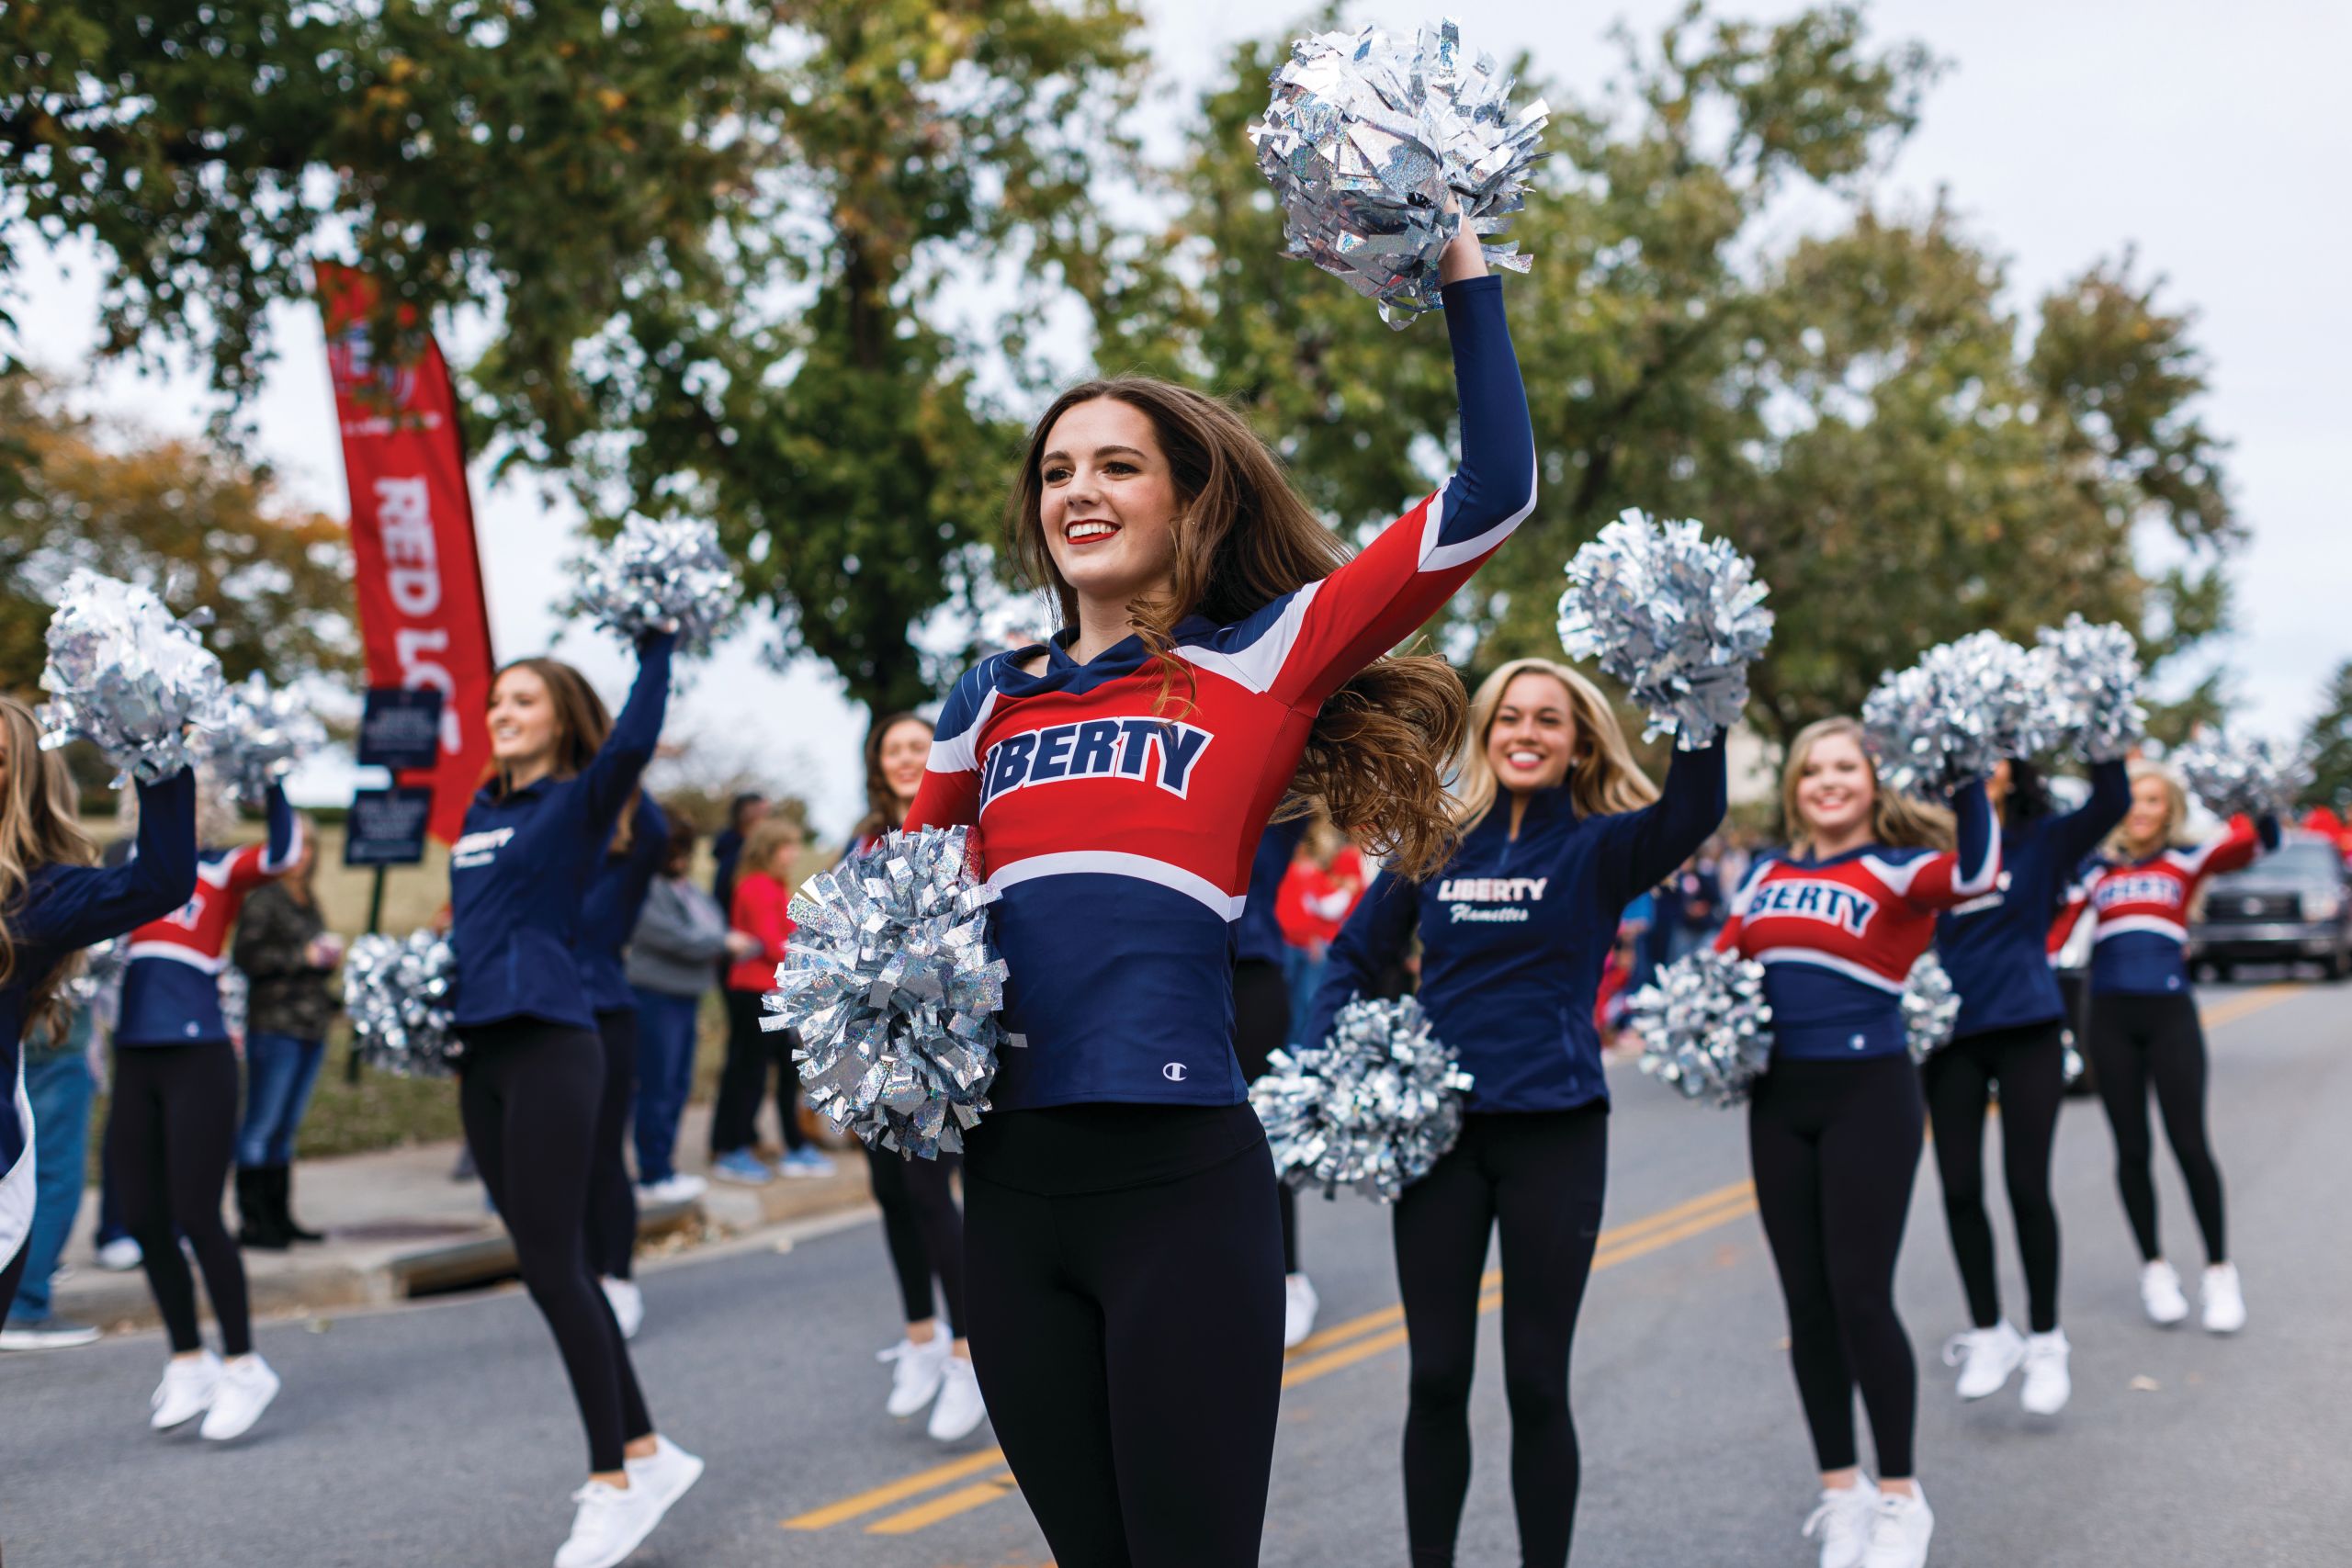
(1325, 878)
(762, 895)
(59, 1085)
(681, 932)
(743, 813)
(287, 957)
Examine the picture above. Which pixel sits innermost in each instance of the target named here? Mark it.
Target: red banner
(421, 609)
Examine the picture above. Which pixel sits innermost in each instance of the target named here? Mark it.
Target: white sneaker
(1299, 1306)
(610, 1524)
(186, 1392)
(666, 1472)
(1900, 1527)
(2224, 1300)
(960, 1408)
(247, 1385)
(1843, 1522)
(681, 1188)
(628, 1304)
(2047, 1385)
(920, 1372)
(121, 1254)
(2160, 1293)
(1985, 1358)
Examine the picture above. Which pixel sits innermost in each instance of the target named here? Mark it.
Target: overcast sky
(2212, 138)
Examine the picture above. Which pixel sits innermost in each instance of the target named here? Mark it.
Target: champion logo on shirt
(1468, 894)
(1830, 902)
(478, 849)
(1150, 751)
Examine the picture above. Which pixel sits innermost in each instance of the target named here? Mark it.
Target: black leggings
(752, 1053)
(530, 1092)
(2029, 1063)
(612, 1200)
(2137, 1041)
(924, 1230)
(1261, 1007)
(171, 1137)
(1834, 1146)
(1129, 1344)
(1538, 1178)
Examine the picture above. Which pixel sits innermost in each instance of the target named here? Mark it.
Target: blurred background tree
(2330, 737)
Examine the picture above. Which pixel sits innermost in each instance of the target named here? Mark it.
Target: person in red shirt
(1327, 876)
(762, 895)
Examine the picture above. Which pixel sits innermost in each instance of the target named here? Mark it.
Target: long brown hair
(37, 827)
(581, 723)
(1897, 820)
(1377, 753)
(883, 810)
(1603, 779)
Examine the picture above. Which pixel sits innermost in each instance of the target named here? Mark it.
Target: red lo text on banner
(421, 614)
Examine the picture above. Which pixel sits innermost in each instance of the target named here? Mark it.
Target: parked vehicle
(2291, 906)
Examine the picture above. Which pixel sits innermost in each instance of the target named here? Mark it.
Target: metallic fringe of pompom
(125, 674)
(1373, 1108)
(1930, 1008)
(398, 990)
(657, 573)
(1705, 1026)
(2248, 775)
(264, 735)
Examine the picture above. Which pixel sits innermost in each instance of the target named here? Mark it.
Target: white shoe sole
(156, 1423)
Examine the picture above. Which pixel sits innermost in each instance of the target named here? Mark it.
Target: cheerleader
(616, 896)
(172, 1123)
(2011, 1032)
(1835, 1123)
(54, 903)
(531, 1074)
(1560, 831)
(2145, 1033)
(1124, 1268)
(921, 1223)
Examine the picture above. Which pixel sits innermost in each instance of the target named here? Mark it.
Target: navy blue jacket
(519, 875)
(1258, 935)
(616, 895)
(1515, 931)
(63, 908)
(1996, 948)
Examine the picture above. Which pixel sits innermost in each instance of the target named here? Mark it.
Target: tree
(176, 512)
(2330, 739)
(1854, 408)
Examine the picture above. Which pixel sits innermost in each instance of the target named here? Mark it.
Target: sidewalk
(397, 1227)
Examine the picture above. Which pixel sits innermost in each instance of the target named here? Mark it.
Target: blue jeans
(1304, 970)
(665, 1072)
(59, 1085)
(281, 1071)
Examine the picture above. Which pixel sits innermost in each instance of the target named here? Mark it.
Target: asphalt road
(442, 1433)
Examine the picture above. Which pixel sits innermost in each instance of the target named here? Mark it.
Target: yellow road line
(2246, 1005)
(883, 1496)
(962, 1500)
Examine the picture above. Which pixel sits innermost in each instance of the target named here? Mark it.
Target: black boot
(281, 1193)
(257, 1223)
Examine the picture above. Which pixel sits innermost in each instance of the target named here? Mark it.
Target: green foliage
(2330, 737)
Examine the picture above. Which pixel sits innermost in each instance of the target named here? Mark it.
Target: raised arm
(1969, 870)
(2079, 831)
(76, 906)
(1645, 846)
(613, 771)
(1305, 645)
(2233, 850)
(1373, 939)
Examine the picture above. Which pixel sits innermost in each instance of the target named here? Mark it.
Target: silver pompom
(1381, 151)
(1673, 615)
(127, 674)
(655, 574)
(1705, 1026)
(1930, 1008)
(2094, 670)
(2071, 1064)
(1371, 1108)
(2247, 775)
(101, 971)
(397, 990)
(1963, 707)
(894, 985)
(264, 735)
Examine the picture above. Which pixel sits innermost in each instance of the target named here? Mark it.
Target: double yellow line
(1341, 1346)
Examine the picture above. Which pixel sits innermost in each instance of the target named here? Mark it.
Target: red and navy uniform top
(1258, 934)
(520, 872)
(62, 909)
(2139, 945)
(1515, 931)
(1838, 937)
(615, 895)
(1996, 948)
(1121, 829)
(171, 987)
